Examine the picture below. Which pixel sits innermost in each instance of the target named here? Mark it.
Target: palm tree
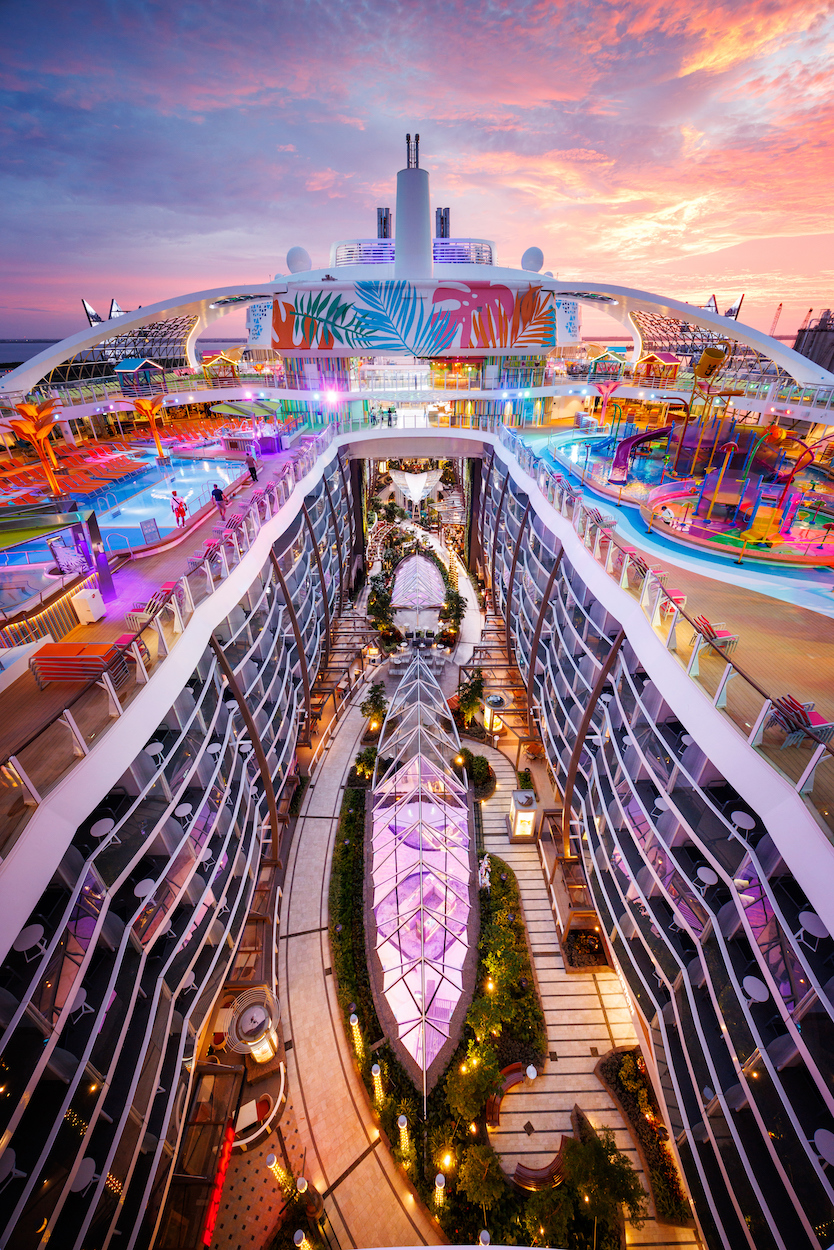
(149, 408)
(35, 425)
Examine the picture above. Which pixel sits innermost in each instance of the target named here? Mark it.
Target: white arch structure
(207, 306)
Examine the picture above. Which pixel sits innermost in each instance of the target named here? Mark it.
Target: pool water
(148, 497)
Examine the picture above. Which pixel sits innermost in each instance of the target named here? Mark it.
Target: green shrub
(365, 761)
(480, 771)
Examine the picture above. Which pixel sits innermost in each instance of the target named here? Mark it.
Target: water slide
(619, 466)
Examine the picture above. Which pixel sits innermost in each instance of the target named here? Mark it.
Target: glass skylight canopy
(416, 486)
(420, 866)
(418, 584)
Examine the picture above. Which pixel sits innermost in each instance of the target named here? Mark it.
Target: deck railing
(782, 393)
(44, 758)
(808, 768)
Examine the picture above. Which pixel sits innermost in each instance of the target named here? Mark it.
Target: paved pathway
(585, 1015)
(327, 1126)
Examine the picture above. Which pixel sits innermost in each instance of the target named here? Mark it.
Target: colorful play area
(704, 476)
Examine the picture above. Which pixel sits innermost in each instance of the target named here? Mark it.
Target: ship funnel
(413, 254)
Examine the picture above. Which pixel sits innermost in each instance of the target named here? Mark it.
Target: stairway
(586, 1014)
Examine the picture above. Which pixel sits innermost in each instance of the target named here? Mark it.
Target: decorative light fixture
(376, 1073)
(402, 1125)
(439, 1189)
(358, 1043)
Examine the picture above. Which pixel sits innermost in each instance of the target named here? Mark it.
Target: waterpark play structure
(749, 493)
(625, 447)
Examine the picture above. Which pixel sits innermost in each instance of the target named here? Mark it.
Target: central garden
(447, 1155)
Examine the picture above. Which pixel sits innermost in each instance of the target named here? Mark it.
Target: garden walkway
(327, 1126)
(585, 1014)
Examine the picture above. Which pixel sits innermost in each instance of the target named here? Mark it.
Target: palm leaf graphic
(325, 318)
(395, 317)
(534, 322)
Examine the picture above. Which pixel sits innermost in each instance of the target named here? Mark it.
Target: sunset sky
(153, 149)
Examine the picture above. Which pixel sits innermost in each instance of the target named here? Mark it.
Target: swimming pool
(146, 496)
(121, 511)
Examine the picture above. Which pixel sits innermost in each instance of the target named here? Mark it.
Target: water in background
(18, 351)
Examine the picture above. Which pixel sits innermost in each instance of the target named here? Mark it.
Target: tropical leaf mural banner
(432, 319)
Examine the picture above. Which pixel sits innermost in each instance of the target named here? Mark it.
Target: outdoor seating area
(541, 1178)
(512, 1075)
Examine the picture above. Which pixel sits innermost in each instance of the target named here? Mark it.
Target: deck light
(439, 1188)
(376, 1073)
(402, 1125)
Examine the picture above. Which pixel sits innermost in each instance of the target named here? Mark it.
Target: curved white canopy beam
(206, 306)
(629, 299)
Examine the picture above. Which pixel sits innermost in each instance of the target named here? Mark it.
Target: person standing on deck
(179, 508)
(220, 500)
(252, 466)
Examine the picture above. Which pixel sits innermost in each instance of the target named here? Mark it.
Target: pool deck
(784, 648)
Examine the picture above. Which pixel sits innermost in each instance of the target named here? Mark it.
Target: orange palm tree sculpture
(35, 425)
(149, 408)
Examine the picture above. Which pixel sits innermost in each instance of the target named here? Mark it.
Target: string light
(358, 1044)
(300, 1240)
(376, 1073)
(439, 1189)
(402, 1125)
(280, 1173)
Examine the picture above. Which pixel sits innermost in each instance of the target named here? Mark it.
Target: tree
(547, 1215)
(35, 425)
(454, 609)
(486, 1016)
(374, 505)
(604, 1179)
(471, 694)
(470, 1083)
(480, 1177)
(365, 761)
(379, 604)
(375, 705)
(393, 512)
(150, 408)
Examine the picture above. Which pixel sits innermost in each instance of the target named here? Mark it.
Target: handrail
(593, 529)
(582, 519)
(757, 385)
(297, 470)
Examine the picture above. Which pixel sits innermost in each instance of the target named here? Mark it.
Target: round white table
(755, 989)
(184, 809)
(31, 936)
(86, 1172)
(214, 748)
(687, 740)
(661, 804)
(78, 1001)
(812, 924)
(743, 820)
(707, 875)
(145, 887)
(189, 980)
(244, 746)
(824, 1142)
(102, 827)
(153, 749)
(205, 855)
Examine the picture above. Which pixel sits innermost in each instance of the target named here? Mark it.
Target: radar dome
(533, 259)
(298, 259)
